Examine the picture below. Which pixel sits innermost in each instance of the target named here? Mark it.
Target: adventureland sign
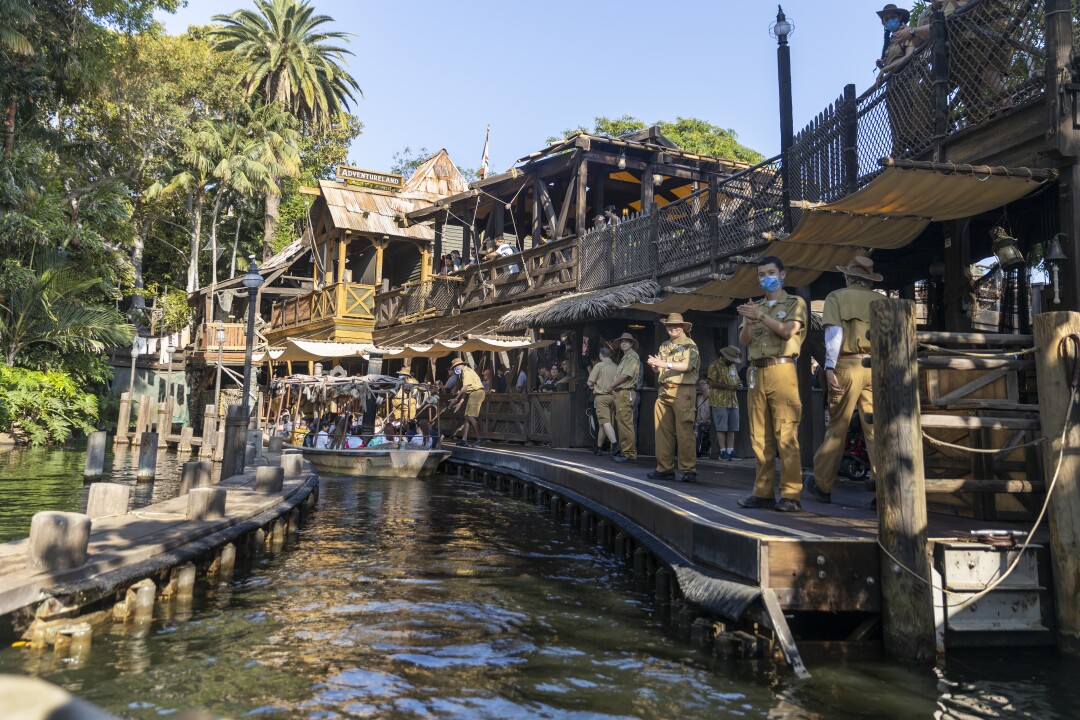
(370, 177)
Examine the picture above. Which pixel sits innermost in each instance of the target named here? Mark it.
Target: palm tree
(50, 310)
(288, 60)
(12, 14)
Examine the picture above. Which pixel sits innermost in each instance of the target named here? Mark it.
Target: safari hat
(860, 267)
(406, 373)
(904, 15)
(676, 319)
(626, 336)
(731, 354)
(457, 361)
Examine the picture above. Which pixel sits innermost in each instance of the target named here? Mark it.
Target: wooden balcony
(339, 311)
(435, 297)
(537, 272)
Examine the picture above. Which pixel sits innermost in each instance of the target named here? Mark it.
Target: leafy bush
(46, 406)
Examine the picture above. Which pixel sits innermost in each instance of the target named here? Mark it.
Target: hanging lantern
(1055, 257)
(1005, 249)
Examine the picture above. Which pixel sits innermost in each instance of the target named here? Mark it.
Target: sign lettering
(371, 177)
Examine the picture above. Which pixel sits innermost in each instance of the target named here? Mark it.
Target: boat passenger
(322, 438)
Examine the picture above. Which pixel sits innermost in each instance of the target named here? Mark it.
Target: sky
(436, 74)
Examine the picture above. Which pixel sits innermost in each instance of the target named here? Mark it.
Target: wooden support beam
(581, 197)
(1056, 382)
(564, 209)
(946, 338)
(957, 284)
(537, 219)
(967, 422)
(648, 189)
(908, 613)
(995, 485)
(965, 363)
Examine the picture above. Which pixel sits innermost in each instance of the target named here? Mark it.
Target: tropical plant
(47, 306)
(45, 406)
(14, 14)
(287, 59)
(690, 134)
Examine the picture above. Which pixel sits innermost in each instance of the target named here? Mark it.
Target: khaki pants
(624, 420)
(674, 415)
(775, 410)
(858, 392)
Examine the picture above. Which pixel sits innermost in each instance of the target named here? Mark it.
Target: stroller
(703, 438)
(855, 464)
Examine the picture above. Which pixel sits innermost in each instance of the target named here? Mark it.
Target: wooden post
(581, 196)
(232, 453)
(850, 140)
(907, 607)
(123, 420)
(940, 70)
(537, 220)
(142, 415)
(957, 283)
(107, 499)
(648, 189)
(209, 432)
(1052, 364)
(94, 466)
(186, 434)
(164, 423)
(148, 452)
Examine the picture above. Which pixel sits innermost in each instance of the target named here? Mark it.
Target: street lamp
(782, 30)
(220, 336)
(134, 359)
(252, 281)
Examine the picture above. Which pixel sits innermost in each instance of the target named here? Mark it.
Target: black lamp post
(782, 30)
(252, 281)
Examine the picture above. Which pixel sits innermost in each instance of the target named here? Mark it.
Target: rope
(983, 451)
(979, 353)
(968, 597)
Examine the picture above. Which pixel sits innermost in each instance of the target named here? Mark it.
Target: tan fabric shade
(442, 348)
(300, 350)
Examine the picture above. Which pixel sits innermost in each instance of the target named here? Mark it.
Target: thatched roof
(576, 307)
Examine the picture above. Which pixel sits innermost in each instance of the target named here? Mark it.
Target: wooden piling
(275, 445)
(209, 432)
(123, 420)
(58, 540)
(186, 434)
(907, 606)
(1058, 374)
(164, 423)
(107, 499)
(206, 503)
(148, 452)
(232, 455)
(142, 415)
(268, 480)
(94, 466)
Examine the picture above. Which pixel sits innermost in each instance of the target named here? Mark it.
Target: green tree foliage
(288, 59)
(690, 134)
(46, 406)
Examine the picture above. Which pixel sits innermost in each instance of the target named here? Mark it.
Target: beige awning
(314, 350)
(890, 212)
(442, 348)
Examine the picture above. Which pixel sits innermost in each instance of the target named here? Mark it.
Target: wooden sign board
(370, 177)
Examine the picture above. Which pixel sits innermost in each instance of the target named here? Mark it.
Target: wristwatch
(669, 366)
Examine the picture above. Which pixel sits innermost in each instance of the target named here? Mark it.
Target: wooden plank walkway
(124, 541)
(824, 558)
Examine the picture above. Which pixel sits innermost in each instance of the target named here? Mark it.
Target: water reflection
(438, 599)
(35, 479)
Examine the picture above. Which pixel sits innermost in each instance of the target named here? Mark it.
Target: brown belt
(854, 355)
(769, 362)
(670, 385)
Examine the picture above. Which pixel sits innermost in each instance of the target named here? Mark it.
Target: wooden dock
(149, 542)
(823, 562)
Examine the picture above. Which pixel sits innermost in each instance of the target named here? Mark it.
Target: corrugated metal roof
(372, 213)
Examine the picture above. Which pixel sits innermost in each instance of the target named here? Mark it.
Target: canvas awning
(890, 212)
(442, 348)
(314, 350)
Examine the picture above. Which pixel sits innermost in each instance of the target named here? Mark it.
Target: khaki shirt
(602, 377)
(849, 308)
(630, 366)
(676, 351)
(470, 381)
(764, 343)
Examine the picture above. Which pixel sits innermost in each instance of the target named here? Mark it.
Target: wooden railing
(540, 271)
(206, 337)
(334, 301)
(434, 297)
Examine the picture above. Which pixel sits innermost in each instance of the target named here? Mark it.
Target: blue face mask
(892, 24)
(457, 370)
(770, 283)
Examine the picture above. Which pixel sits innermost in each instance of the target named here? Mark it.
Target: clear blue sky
(435, 73)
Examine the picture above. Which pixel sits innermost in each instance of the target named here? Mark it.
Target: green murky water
(439, 599)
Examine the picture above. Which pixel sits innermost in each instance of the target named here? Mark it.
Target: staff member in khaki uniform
(847, 322)
(677, 361)
(472, 389)
(403, 404)
(773, 329)
(601, 381)
(625, 386)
